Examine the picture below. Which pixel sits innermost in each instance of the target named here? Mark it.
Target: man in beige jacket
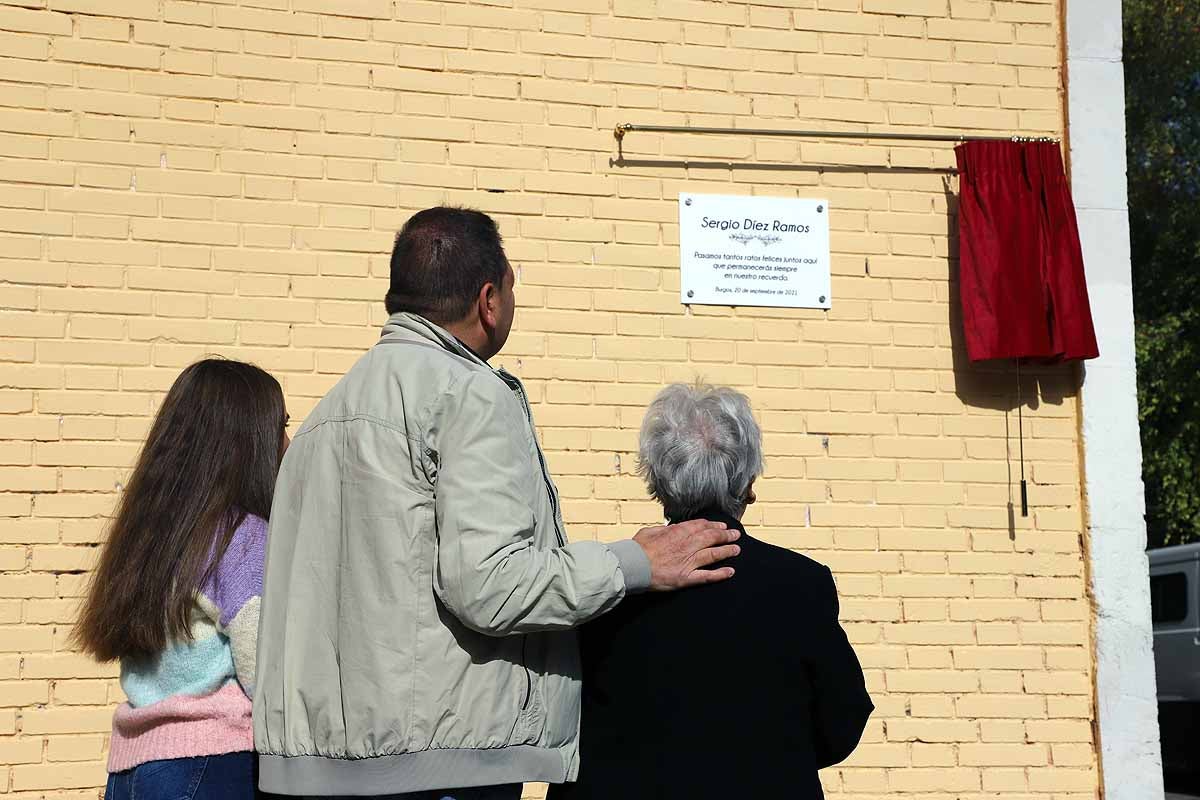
(420, 594)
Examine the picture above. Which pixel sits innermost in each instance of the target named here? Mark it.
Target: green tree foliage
(1162, 96)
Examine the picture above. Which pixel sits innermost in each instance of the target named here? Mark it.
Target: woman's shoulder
(252, 525)
(246, 552)
(238, 575)
(249, 536)
(787, 563)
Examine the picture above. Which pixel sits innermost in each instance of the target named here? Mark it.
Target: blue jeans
(227, 777)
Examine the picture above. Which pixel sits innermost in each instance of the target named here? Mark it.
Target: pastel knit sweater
(193, 698)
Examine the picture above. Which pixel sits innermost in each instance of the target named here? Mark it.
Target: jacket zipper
(562, 539)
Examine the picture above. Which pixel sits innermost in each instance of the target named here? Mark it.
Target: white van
(1175, 613)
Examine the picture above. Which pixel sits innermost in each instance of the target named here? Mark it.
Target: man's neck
(714, 514)
(470, 336)
(472, 350)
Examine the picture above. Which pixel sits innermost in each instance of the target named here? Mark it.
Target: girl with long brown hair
(175, 596)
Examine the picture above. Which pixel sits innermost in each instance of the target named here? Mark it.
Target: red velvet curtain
(1021, 279)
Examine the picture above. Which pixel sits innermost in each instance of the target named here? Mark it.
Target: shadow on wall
(993, 385)
(708, 164)
(620, 161)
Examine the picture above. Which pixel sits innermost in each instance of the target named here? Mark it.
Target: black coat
(743, 688)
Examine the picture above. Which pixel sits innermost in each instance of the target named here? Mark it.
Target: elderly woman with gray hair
(743, 688)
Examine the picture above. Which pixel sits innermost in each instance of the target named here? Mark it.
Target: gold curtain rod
(625, 127)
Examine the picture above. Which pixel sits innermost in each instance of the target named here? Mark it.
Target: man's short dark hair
(441, 259)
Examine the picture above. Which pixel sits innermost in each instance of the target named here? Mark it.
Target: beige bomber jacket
(420, 594)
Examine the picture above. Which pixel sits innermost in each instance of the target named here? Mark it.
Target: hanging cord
(1021, 440)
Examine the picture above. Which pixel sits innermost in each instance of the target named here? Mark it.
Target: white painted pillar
(1130, 757)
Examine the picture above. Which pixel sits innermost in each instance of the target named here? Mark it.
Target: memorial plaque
(753, 251)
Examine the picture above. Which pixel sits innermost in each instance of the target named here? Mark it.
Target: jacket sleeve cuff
(635, 564)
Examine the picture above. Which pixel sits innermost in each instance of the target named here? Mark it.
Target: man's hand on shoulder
(679, 554)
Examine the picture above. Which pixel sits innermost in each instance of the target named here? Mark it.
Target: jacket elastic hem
(409, 772)
(635, 564)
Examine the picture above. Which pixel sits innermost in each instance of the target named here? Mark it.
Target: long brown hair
(210, 459)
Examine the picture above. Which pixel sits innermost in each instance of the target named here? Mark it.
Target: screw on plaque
(821, 299)
(820, 209)
(691, 293)
(687, 202)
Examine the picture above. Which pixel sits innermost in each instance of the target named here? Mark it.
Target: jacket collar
(714, 514)
(407, 326)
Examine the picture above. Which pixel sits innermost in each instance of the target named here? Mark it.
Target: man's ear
(488, 305)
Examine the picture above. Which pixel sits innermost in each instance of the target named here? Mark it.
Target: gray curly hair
(699, 448)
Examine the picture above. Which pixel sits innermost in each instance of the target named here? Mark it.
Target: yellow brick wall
(184, 178)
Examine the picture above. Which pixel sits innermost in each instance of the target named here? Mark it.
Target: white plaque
(753, 251)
